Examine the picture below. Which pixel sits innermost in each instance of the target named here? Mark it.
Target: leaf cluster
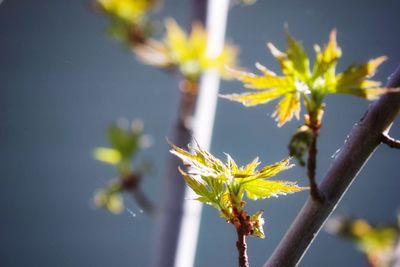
(300, 80)
(224, 185)
(129, 20)
(184, 52)
(126, 141)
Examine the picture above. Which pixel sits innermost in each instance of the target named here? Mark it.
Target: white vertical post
(217, 14)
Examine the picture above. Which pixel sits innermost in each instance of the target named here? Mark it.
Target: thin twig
(359, 146)
(241, 223)
(311, 167)
(144, 202)
(390, 141)
(242, 249)
(131, 183)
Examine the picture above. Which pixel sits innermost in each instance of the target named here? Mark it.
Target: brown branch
(390, 141)
(359, 146)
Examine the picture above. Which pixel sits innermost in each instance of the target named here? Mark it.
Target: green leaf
(201, 162)
(198, 187)
(286, 64)
(126, 142)
(288, 107)
(368, 93)
(268, 171)
(355, 75)
(298, 57)
(107, 155)
(254, 99)
(247, 170)
(268, 80)
(260, 189)
(109, 199)
(257, 222)
(326, 60)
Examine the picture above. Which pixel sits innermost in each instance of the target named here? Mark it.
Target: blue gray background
(62, 81)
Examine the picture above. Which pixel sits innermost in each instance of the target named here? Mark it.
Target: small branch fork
(390, 141)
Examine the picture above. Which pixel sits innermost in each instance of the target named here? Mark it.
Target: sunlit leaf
(269, 170)
(254, 99)
(326, 59)
(298, 57)
(130, 10)
(258, 222)
(198, 187)
(110, 200)
(247, 170)
(268, 80)
(176, 39)
(107, 155)
(355, 75)
(185, 52)
(154, 53)
(367, 93)
(260, 189)
(288, 107)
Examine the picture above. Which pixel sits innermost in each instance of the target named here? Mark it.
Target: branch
(170, 214)
(360, 144)
(390, 141)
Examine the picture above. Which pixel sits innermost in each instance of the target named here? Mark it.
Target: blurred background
(63, 81)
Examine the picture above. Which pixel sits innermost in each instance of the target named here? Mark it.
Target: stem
(242, 248)
(390, 141)
(131, 183)
(143, 202)
(359, 146)
(312, 160)
(241, 223)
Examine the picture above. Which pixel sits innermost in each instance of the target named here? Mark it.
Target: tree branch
(360, 144)
(390, 141)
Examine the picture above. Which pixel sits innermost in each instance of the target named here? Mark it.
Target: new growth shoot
(224, 186)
